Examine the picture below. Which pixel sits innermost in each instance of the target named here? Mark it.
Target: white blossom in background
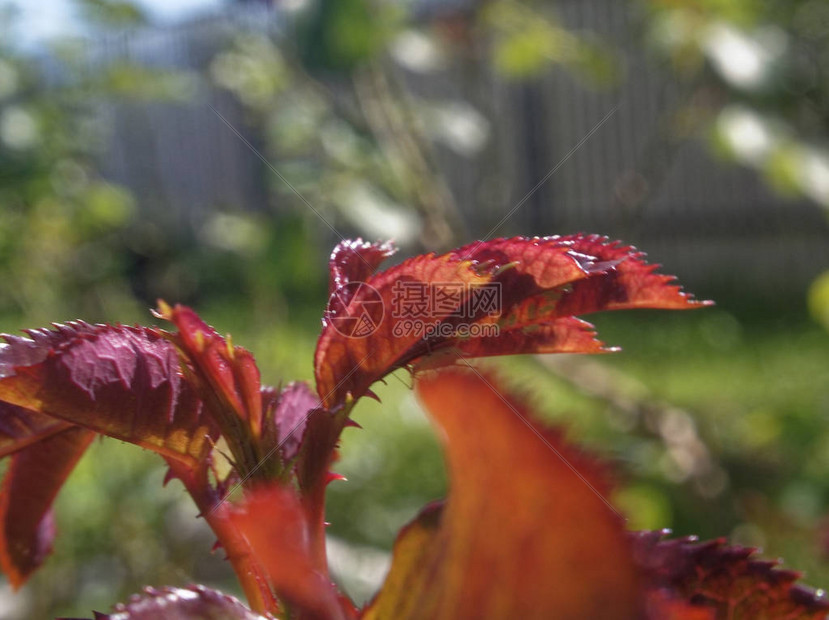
(18, 128)
(376, 214)
(457, 125)
(746, 133)
(814, 172)
(417, 52)
(745, 60)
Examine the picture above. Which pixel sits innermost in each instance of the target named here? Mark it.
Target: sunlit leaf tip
(354, 260)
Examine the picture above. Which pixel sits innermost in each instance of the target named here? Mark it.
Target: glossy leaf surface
(119, 381)
(191, 603)
(527, 288)
(355, 261)
(525, 532)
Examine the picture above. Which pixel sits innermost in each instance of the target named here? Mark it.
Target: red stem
(314, 480)
(250, 574)
(314, 505)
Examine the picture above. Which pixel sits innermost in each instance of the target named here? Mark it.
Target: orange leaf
(525, 532)
(413, 551)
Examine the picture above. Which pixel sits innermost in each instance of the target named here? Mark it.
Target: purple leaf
(190, 603)
(120, 381)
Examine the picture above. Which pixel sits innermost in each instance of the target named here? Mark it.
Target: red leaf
(30, 485)
(231, 372)
(541, 283)
(354, 261)
(725, 579)
(120, 381)
(525, 532)
(549, 261)
(20, 427)
(564, 335)
(272, 520)
(349, 365)
(263, 429)
(632, 283)
(190, 603)
(661, 605)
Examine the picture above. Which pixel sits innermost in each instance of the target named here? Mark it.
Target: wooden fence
(711, 223)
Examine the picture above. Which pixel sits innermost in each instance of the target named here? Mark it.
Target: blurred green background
(213, 156)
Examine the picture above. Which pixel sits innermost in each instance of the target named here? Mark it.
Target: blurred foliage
(60, 220)
(111, 13)
(330, 156)
(63, 227)
(527, 40)
(760, 72)
(339, 35)
(819, 300)
(136, 83)
(355, 140)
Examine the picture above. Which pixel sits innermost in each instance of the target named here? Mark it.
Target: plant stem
(250, 574)
(314, 506)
